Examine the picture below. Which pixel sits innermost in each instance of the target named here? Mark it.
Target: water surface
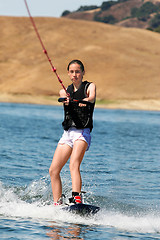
(121, 174)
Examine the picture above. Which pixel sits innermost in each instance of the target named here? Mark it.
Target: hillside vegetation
(123, 62)
(128, 13)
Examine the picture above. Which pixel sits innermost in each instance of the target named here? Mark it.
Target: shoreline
(146, 105)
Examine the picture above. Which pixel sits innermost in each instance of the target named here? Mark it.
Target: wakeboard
(81, 209)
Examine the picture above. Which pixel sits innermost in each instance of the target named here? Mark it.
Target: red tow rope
(44, 50)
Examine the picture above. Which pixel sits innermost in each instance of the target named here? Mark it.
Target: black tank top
(75, 116)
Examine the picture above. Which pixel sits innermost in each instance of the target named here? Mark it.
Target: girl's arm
(91, 92)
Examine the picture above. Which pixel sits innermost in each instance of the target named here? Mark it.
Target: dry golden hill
(124, 63)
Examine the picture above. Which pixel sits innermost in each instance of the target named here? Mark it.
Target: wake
(34, 202)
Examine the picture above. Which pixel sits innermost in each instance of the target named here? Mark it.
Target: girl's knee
(53, 171)
(50, 171)
(74, 167)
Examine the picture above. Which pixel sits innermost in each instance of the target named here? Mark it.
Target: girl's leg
(61, 155)
(77, 155)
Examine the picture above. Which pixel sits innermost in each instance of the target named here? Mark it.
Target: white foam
(149, 223)
(13, 207)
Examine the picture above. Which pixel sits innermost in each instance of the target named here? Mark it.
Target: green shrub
(86, 8)
(157, 29)
(145, 10)
(106, 5)
(155, 22)
(121, 1)
(106, 19)
(65, 13)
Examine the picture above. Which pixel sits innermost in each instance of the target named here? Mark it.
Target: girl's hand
(66, 102)
(82, 105)
(63, 97)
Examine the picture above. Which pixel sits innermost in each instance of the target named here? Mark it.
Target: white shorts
(73, 134)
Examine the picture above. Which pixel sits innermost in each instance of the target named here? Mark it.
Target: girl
(77, 124)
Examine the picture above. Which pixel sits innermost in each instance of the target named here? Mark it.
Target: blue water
(121, 174)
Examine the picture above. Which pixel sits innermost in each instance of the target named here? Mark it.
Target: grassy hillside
(124, 63)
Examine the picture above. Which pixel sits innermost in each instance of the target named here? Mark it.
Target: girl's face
(75, 73)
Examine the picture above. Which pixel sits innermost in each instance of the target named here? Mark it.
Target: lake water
(121, 174)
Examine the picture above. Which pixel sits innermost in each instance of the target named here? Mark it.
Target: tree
(155, 22)
(120, 1)
(106, 19)
(65, 13)
(106, 5)
(145, 10)
(86, 8)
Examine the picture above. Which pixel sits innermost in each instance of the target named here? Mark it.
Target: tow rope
(44, 49)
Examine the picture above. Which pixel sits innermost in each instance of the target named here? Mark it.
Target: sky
(45, 8)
